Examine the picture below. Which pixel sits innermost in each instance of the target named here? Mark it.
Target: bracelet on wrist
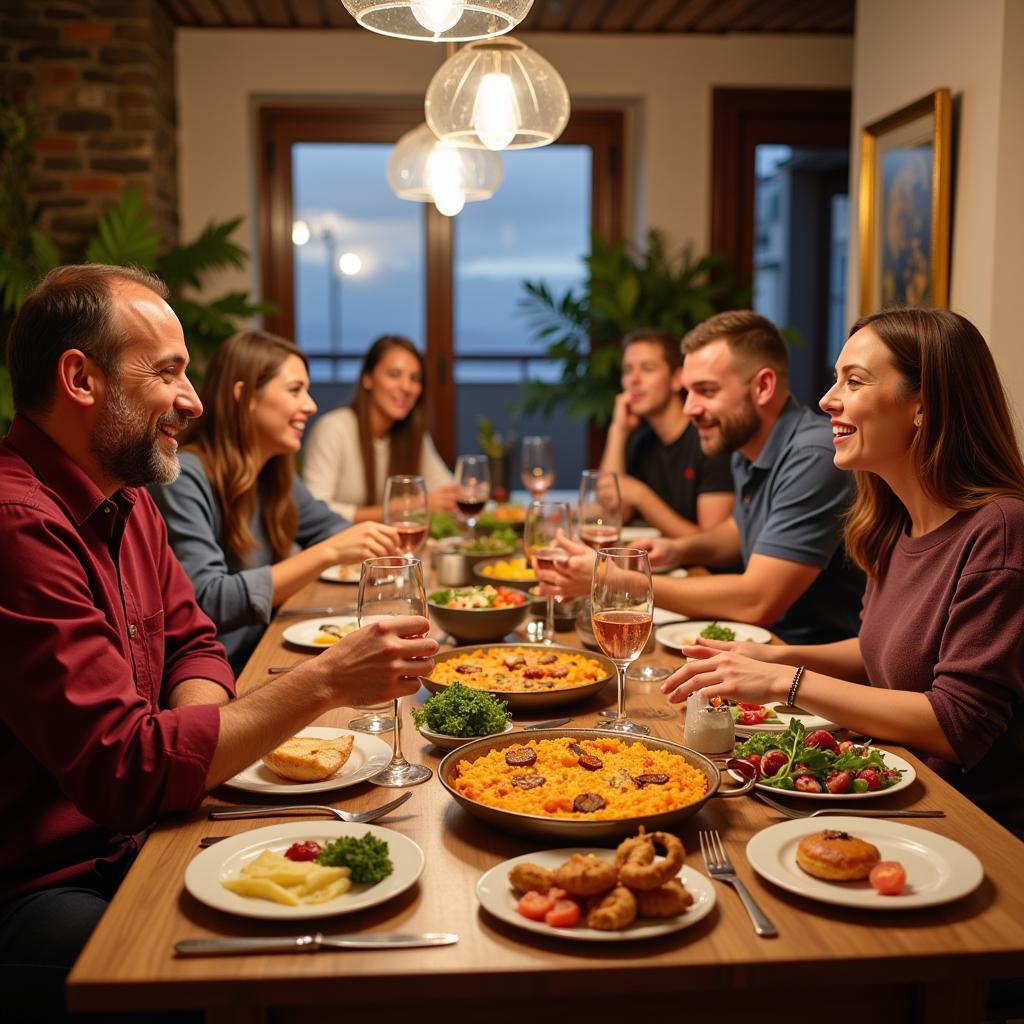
(794, 686)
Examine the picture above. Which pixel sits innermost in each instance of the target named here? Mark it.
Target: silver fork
(718, 865)
(792, 812)
(360, 818)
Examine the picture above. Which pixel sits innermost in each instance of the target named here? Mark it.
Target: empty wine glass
(473, 479)
(599, 509)
(389, 587)
(622, 610)
(543, 521)
(537, 465)
(405, 508)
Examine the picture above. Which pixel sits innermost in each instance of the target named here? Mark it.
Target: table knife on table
(312, 943)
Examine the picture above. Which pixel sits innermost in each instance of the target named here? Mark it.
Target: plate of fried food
(864, 862)
(316, 634)
(315, 760)
(597, 895)
(304, 869)
(525, 676)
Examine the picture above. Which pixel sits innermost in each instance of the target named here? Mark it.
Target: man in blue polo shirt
(786, 527)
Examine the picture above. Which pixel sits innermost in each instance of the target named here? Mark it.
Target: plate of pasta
(240, 860)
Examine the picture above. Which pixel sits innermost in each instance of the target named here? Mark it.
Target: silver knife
(551, 724)
(313, 943)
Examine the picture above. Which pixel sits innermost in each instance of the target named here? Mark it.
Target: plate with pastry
(511, 891)
(342, 573)
(318, 634)
(864, 862)
(313, 761)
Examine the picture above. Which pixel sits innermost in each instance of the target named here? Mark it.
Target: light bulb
(443, 176)
(350, 264)
(449, 201)
(300, 232)
(495, 112)
(437, 16)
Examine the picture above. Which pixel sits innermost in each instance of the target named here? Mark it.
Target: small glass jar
(708, 729)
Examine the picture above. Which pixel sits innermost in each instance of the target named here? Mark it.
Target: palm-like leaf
(212, 250)
(125, 235)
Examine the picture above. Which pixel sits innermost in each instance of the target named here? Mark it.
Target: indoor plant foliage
(625, 289)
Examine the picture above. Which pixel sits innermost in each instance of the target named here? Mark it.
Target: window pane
(537, 227)
(340, 193)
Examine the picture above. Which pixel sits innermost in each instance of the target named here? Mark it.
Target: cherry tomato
(309, 850)
(753, 717)
(772, 762)
(823, 740)
(564, 914)
(839, 782)
(535, 905)
(807, 784)
(871, 777)
(888, 877)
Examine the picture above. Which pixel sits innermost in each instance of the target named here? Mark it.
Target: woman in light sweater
(247, 532)
(919, 414)
(352, 450)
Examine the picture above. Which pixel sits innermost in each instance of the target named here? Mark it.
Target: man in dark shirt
(115, 704)
(664, 477)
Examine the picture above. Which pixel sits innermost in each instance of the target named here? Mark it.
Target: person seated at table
(921, 421)
(664, 476)
(786, 526)
(352, 450)
(116, 704)
(237, 512)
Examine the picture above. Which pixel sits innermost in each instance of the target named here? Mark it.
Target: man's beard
(734, 431)
(128, 449)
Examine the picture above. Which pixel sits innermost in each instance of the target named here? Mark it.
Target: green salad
(717, 632)
(493, 543)
(460, 711)
(443, 525)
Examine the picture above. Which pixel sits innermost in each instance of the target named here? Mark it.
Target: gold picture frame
(904, 206)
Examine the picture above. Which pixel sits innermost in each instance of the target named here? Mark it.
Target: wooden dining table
(930, 965)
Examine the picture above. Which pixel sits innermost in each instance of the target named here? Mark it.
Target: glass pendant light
(497, 94)
(425, 170)
(439, 20)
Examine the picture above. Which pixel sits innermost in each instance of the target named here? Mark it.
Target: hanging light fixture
(439, 20)
(497, 94)
(425, 170)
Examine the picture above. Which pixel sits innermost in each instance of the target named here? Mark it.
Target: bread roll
(304, 759)
(836, 856)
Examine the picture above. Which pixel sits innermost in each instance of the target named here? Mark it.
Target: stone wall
(101, 73)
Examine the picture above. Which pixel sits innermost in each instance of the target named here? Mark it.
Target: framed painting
(904, 206)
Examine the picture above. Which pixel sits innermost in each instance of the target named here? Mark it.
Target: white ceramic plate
(227, 858)
(629, 533)
(370, 754)
(781, 724)
(449, 742)
(303, 633)
(663, 615)
(341, 573)
(891, 761)
(673, 636)
(498, 897)
(938, 869)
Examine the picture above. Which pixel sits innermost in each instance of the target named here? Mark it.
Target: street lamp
(348, 263)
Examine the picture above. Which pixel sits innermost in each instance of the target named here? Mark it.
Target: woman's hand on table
(357, 543)
(442, 499)
(572, 576)
(381, 661)
(727, 670)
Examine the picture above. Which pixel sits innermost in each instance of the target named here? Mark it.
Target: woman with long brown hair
(354, 449)
(237, 513)
(920, 416)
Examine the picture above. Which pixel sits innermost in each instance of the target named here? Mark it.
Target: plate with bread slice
(314, 761)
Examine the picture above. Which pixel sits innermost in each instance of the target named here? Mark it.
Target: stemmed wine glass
(405, 508)
(622, 610)
(473, 479)
(537, 465)
(600, 508)
(388, 587)
(543, 521)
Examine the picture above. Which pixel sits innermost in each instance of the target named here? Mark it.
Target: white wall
(905, 50)
(665, 82)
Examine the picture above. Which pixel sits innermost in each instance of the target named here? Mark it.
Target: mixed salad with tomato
(476, 598)
(815, 762)
(752, 714)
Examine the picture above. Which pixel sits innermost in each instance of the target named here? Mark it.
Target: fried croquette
(668, 900)
(586, 875)
(528, 877)
(613, 911)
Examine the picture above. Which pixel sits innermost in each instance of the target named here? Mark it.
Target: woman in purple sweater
(920, 416)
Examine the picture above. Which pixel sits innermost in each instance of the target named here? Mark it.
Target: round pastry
(836, 856)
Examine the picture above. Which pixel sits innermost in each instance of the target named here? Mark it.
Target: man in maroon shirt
(115, 705)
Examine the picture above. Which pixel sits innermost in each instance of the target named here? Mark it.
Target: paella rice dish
(519, 669)
(588, 779)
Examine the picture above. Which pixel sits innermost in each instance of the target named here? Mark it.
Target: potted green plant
(625, 289)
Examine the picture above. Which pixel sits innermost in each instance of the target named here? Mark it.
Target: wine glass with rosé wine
(405, 508)
(537, 465)
(473, 479)
(543, 521)
(622, 611)
(599, 509)
(388, 587)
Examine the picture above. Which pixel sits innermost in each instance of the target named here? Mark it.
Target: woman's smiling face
(395, 384)
(874, 416)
